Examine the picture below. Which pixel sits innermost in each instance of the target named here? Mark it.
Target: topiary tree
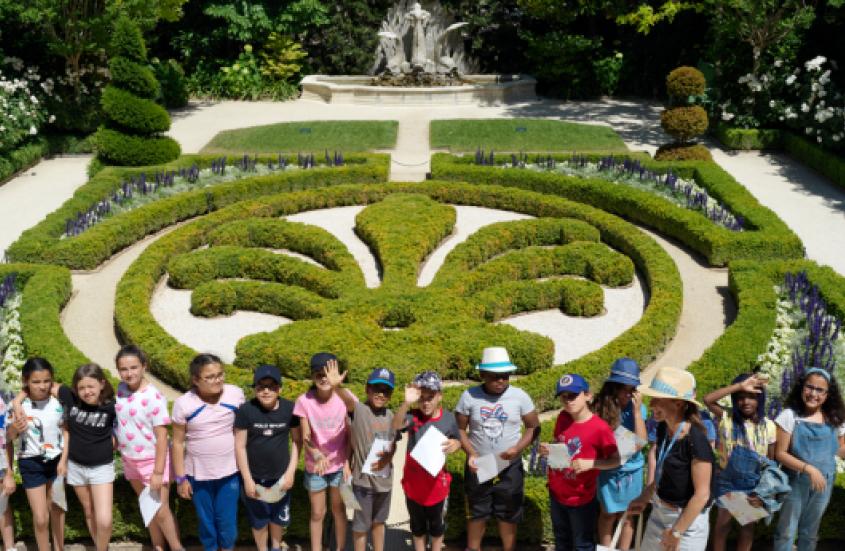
(134, 122)
(681, 119)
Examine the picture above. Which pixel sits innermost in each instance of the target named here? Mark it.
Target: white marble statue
(418, 18)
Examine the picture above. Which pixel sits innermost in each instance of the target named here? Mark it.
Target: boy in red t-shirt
(592, 447)
(425, 495)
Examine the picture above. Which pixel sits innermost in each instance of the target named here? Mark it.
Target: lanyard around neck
(664, 451)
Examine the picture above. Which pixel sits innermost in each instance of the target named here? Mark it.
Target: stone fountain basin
(485, 89)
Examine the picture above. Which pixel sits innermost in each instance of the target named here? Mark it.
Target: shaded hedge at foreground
(766, 236)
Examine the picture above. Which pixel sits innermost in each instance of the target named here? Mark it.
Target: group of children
(225, 450)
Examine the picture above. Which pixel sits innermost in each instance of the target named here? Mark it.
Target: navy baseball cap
(320, 359)
(265, 371)
(383, 376)
(571, 383)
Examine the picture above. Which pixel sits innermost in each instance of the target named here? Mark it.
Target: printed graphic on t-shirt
(96, 419)
(328, 422)
(573, 446)
(493, 421)
(269, 429)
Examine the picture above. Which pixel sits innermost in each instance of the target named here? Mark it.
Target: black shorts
(427, 520)
(500, 498)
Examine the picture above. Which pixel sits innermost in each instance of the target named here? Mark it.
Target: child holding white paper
(619, 404)
(426, 494)
(37, 420)
(141, 433)
(263, 426)
(744, 425)
(371, 484)
(592, 447)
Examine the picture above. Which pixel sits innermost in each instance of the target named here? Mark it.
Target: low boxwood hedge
(134, 113)
(361, 318)
(752, 284)
(748, 138)
(823, 161)
(43, 243)
(765, 237)
(127, 150)
(46, 289)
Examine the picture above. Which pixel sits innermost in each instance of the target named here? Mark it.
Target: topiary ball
(684, 123)
(684, 82)
(682, 152)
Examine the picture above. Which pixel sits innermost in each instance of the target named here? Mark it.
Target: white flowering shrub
(12, 352)
(803, 98)
(22, 96)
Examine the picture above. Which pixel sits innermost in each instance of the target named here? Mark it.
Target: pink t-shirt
(137, 414)
(328, 428)
(209, 436)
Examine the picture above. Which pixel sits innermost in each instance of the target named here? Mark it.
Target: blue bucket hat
(624, 371)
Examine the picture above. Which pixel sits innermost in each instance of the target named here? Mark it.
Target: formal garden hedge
(765, 236)
(44, 242)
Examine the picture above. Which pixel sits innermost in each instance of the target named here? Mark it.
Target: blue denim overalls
(817, 444)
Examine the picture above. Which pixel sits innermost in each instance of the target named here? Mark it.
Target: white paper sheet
(150, 503)
(737, 504)
(273, 494)
(626, 443)
(348, 496)
(559, 456)
(429, 451)
(489, 466)
(58, 492)
(379, 445)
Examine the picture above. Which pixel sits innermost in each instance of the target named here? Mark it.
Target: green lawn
(522, 135)
(292, 137)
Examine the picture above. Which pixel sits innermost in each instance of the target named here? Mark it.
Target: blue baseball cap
(571, 383)
(265, 371)
(625, 371)
(320, 359)
(381, 375)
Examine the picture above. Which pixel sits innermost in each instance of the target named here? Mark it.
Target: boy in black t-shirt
(262, 427)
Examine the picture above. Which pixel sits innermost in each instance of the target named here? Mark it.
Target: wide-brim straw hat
(671, 383)
(495, 359)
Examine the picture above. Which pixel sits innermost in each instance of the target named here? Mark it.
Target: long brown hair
(606, 406)
(95, 372)
(692, 416)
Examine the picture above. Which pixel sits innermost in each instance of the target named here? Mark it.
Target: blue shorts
(618, 488)
(216, 502)
(36, 471)
(261, 513)
(317, 483)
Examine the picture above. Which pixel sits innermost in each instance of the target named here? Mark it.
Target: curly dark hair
(833, 409)
(606, 406)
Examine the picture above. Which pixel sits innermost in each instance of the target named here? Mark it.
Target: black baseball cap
(265, 371)
(320, 359)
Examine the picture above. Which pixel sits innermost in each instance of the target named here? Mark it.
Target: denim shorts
(317, 483)
(261, 513)
(36, 471)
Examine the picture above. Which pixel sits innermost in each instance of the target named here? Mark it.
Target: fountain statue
(420, 59)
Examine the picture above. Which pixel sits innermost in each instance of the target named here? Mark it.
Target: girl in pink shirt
(204, 451)
(325, 433)
(141, 432)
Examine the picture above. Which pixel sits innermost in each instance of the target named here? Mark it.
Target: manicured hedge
(114, 147)
(224, 297)
(817, 158)
(43, 243)
(766, 236)
(752, 283)
(21, 158)
(748, 138)
(361, 319)
(133, 77)
(46, 289)
(134, 113)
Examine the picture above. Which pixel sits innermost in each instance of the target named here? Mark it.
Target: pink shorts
(142, 469)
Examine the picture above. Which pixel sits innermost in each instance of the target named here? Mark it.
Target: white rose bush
(12, 353)
(22, 109)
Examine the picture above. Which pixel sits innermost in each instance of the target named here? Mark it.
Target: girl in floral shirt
(141, 432)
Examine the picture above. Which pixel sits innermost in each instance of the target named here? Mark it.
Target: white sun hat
(495, 359)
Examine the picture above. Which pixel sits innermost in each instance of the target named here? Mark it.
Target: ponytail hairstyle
(736, 415)
(833, 408)
(199, 362)
(130, 350)
(692, 416)
(35, 364)
(95, 372)
(605, 405)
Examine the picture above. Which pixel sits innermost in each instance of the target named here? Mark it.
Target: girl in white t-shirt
(37, 421)
(141, 432)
